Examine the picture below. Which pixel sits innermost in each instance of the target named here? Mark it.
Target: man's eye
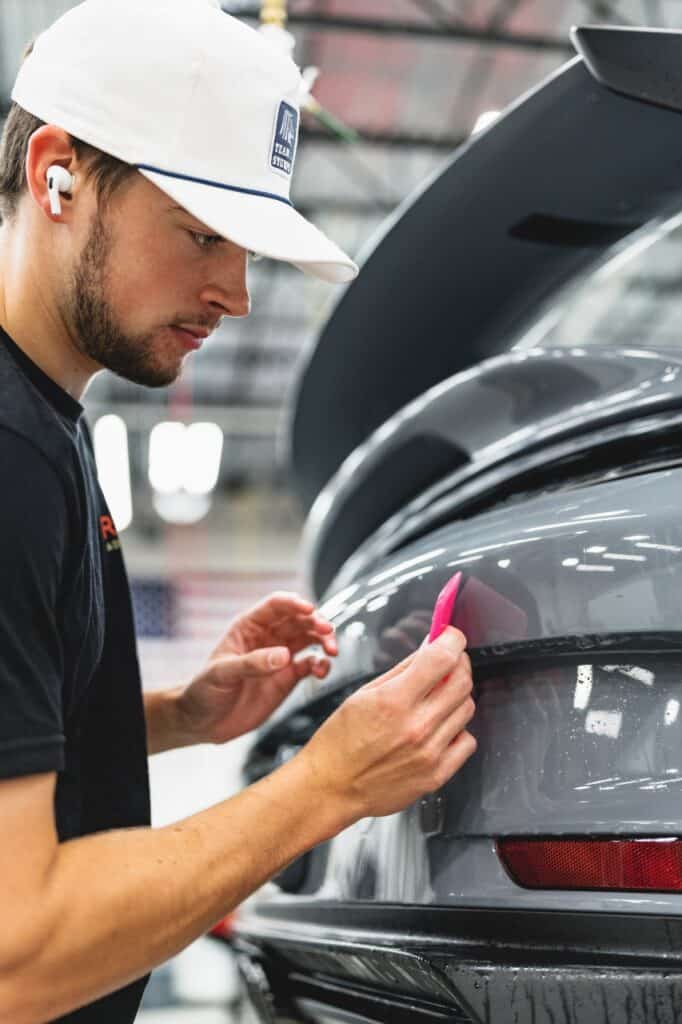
(205, 241)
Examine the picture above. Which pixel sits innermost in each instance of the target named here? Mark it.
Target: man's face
(150, 280)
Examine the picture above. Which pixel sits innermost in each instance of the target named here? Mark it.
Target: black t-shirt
(70, 693)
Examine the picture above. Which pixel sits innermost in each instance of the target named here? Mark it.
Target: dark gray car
(470, 429)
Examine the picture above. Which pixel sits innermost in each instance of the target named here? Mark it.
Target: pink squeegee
(442, 612)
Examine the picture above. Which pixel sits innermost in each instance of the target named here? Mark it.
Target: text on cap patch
(284, 141)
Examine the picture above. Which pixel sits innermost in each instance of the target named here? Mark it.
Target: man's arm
(88, 916)
(166, 725)
(92, 914)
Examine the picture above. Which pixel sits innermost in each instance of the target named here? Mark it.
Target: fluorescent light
(110, 438)
(203, 453)
(184, 466)
(167, 457)
(181, 508)
(185, 458)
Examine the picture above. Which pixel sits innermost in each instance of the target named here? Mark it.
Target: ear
(48, 145)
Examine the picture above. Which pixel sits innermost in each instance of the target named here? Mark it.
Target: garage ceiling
(411, 77)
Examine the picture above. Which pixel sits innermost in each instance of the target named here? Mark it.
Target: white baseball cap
(202, 105)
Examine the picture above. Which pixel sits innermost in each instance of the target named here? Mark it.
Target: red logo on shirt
(107, 527)
(109, 533)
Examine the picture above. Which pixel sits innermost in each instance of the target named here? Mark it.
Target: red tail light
(635, 864)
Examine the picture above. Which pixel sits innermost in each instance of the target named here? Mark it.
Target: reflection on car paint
(571, 682)
(523, 565)
(542, 399)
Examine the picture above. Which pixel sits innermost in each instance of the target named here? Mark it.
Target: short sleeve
(33, 539)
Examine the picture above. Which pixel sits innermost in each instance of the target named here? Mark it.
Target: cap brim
(261, 224)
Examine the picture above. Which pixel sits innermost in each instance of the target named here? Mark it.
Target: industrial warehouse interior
(198, 476)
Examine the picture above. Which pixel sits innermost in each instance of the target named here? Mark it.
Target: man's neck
(33, 319)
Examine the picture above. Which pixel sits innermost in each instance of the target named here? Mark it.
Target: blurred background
(196, 474)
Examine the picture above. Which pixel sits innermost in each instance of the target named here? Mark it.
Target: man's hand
(400, 736)
(393, 740)
(254, 667)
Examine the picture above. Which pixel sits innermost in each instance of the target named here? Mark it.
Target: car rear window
(632, 299)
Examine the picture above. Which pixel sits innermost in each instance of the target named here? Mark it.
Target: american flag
(180, 620)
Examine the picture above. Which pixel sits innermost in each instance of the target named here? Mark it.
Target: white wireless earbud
(58, 180)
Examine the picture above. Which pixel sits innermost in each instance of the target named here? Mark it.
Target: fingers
(280, 605)
(449, 692)
(257, 663)
(296, 622)
(431, 664)
(303, 631)
(403, 638)
(395, 671)
(454, 724)
(291, 620)
(272, 664)
(446, 710)
(400, 668)
(275, 659)
(454, 756)
(311, 666)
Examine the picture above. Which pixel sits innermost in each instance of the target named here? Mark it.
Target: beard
(98, 333)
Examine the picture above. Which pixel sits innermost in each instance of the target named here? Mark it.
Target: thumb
(264, 661)
(396, 670)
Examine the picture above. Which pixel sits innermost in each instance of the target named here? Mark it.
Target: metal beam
(417, 30)
(395, 140)
(436, 13)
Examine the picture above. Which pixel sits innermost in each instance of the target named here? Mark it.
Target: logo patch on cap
(284, 140)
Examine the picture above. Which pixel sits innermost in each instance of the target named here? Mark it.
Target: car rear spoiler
(465, 264)
(641, 63)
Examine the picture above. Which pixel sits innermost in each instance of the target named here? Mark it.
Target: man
(171, 126)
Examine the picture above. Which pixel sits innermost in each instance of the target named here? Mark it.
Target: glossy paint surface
(573, 610)
(583, 562)
(500, 419)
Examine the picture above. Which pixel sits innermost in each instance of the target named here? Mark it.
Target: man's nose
(231, 294)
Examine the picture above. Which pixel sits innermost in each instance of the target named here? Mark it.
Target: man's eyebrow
(207, 230)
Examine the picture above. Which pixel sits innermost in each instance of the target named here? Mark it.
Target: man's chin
(146, 360)
(148, 376)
